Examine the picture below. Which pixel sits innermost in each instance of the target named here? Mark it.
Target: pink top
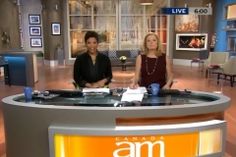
(153, 70)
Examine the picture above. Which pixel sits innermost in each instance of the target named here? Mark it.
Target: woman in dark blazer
(92, 69)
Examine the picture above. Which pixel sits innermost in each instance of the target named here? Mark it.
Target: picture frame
(187, 23)
(35, 31)
(192, 42)
(34, 19)
(56, 28)
(229, 13)
(35, 42)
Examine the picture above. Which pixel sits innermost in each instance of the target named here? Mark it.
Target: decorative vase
(123, 61)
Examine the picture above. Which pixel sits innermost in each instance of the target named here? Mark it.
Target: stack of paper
(96, 90)
(139, 90)
(134, 94)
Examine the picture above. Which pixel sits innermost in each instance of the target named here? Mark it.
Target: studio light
(146, 2)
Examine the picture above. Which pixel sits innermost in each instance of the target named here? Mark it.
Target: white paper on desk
(96, 90)
(139, 90)
(132, 97)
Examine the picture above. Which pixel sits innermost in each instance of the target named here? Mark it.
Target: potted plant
(123, 59)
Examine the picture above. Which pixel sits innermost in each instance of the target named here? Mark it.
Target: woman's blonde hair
(159, 46)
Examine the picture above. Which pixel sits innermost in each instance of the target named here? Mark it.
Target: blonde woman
(152, 66)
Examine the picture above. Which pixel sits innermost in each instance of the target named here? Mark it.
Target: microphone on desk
(66, 93)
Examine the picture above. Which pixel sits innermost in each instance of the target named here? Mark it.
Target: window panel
(81, 22)
(103, 17)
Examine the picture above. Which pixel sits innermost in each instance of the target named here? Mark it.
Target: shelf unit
(231, 25)
(230, 17)
(230, 29)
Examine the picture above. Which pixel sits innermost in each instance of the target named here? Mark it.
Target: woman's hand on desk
(133, 86)
(88, 85)
(92, 85)
(99, 84)
(166, 86)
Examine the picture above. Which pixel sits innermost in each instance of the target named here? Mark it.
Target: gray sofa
(114, 56)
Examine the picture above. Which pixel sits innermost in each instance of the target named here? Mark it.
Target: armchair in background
(215, 61)
(228, 71)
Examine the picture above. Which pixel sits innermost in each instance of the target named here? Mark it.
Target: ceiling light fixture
(146, 2)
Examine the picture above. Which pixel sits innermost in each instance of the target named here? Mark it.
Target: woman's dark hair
(91, 34)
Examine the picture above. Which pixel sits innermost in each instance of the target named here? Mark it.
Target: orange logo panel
(184, 145)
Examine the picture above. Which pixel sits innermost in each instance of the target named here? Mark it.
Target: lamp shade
(146, 2)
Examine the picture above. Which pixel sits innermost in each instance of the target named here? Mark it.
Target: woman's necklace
(154, 68)
(94, 59)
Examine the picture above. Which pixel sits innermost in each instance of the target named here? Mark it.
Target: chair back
(218, 58)
(230, 66)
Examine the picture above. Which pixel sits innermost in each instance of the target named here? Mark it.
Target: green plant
(5, 38)
(40, 54)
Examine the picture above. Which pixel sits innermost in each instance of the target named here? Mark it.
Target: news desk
(186, 124)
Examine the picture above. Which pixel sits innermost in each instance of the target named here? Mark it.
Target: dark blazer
(87, 72)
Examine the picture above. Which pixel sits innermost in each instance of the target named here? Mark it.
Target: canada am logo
(139, 147)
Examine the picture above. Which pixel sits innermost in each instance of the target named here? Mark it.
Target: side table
(123, 66)
(199, 62)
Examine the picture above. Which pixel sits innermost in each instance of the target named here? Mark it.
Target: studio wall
(220, 25)
(205, 26)
(9, 25)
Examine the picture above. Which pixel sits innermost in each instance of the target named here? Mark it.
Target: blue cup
(154, 88)
(28, 93)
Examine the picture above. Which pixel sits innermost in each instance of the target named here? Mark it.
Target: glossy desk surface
(181, 103)
(109, 100)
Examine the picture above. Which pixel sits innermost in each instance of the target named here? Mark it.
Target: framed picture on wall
(35, 30)
(34, 19)
(191, 42)
(187, 23)
(56, 28)
(36, 42)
